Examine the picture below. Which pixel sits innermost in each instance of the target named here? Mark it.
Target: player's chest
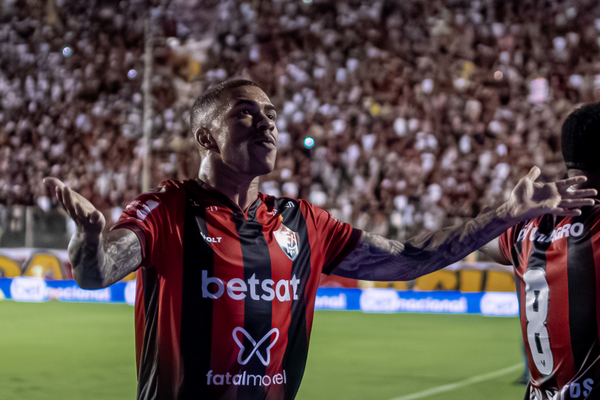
(239, 240)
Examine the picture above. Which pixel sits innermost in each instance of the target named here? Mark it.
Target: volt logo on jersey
(265, 358)
(209, 239)
(288, 241)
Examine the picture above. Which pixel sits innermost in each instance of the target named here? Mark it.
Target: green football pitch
(69, 351)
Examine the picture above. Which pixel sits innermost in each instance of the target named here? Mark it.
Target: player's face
(248, 138)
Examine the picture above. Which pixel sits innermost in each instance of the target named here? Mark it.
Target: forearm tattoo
(379, 259)
(121, 257)
(106, 261)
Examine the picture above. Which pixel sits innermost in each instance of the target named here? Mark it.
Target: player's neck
(242, 190)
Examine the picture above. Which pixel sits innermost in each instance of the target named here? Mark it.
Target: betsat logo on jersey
(260, 349)
(237, 289)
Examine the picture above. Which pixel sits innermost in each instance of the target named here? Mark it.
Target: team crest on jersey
(288, 241)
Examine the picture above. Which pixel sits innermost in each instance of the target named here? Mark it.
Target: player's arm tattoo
(100, 262)
(379, 259)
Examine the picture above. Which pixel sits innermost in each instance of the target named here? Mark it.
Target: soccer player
(228, 276)
(557, 269)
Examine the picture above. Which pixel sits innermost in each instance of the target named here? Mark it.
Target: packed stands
(422, 112)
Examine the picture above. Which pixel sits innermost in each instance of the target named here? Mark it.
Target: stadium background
(422, 113)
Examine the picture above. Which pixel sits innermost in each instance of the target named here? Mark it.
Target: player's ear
(204, 139)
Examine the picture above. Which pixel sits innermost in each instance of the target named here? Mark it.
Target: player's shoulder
(166, 192)
(288, 206)
(291, 206)
(172, 187)
(282, 204)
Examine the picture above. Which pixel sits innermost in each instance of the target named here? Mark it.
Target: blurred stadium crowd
(422, 112)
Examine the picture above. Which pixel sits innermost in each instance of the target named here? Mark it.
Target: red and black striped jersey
(557, 271)
(225, 297)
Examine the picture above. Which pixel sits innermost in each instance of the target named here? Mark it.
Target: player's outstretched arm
(377, 258)
(98, 260)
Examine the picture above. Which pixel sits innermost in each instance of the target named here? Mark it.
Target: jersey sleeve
(508, 239)
(337, 238)
(145, 216)
(506, 243)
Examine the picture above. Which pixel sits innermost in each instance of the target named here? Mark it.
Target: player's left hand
(530, 199)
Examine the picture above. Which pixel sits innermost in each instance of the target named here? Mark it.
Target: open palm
(87, 218)
(530, 199)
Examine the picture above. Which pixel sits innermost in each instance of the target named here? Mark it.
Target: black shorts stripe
(196, 311)
(258, 315)
(582, 293)
(148, 376)
(294, 359)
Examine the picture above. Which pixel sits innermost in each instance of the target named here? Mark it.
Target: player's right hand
(88, 219)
